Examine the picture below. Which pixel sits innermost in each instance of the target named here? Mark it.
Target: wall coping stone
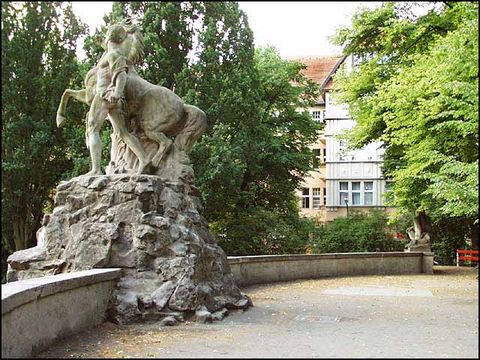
(296, 257)
(17, 293)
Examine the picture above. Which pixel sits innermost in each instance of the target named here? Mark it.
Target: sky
(294, 28)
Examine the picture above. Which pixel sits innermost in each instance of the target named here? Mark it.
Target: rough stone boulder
(153, 229)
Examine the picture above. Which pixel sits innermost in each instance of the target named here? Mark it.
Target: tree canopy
(38, 63)
(415, 87)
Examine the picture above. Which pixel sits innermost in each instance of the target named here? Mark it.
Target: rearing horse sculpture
(154, 111)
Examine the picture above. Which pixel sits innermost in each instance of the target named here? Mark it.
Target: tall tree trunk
(22, 234)
(18, 234)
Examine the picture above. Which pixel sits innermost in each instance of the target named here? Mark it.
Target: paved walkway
(377, 316)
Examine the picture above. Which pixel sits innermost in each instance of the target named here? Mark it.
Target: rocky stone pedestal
(173, 268)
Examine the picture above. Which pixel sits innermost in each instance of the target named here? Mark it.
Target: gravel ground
(420, 315)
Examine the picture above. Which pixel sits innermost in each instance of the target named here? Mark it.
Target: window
(316, 159)
(368, 192)
(343, 192)
(325, 196)
(324, 155)
(316, 198)
(318, 116)
(305, 198)
(356, 193)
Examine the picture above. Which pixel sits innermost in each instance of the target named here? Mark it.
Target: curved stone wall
(249, 270)
(37, 312)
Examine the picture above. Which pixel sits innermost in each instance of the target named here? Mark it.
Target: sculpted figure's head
(128, 35)
(116, 33)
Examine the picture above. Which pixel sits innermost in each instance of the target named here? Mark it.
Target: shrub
(263, 232)
(448, 235)
(357, 233)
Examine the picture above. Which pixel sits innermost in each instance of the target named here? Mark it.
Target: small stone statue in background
(419, 241)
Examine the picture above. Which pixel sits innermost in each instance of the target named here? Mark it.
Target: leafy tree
(415, 87)
(255, 155)
(38, 63)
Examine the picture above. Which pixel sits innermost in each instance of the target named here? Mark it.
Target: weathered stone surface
(169, 321)
(163, 293)
(21, 259)
(219, 315)
(152, 228)
(203, 315)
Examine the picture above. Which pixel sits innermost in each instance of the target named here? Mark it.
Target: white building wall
(362, 165)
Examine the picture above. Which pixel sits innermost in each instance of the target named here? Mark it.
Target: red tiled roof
(318, 68)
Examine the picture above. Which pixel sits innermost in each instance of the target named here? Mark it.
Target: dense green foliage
(357, 233)
(38, 63)
(249, 167)
(415, 87)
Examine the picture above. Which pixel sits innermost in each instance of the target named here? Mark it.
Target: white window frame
(316, 198)
(351, 192)
(356, 191)
(318, 116)
(343, 191)
(367, 191)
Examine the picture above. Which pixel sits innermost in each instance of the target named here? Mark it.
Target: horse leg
(96, 117)
(117, 118)
(195, 126)
(80, 95)
(164, 144)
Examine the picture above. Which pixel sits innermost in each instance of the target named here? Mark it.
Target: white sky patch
(300, 28)
(91, 13)
(294, 28)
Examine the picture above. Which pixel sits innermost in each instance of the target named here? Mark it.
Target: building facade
(342, 180)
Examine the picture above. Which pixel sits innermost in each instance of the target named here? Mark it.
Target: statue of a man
(109, 100)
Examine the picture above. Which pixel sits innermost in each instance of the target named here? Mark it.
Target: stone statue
(144, 116)
(419, 241)
(144, 215)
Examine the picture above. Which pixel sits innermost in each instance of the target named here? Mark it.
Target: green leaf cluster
(38, 63)
(415, 87)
